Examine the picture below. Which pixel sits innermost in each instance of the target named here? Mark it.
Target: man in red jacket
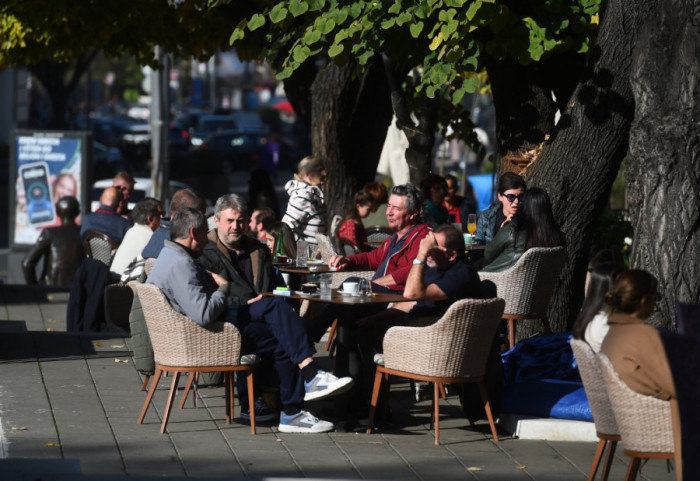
(393, 259)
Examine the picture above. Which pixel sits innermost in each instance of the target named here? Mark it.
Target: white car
(142, 188)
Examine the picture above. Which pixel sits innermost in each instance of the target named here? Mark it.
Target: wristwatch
(418, 262)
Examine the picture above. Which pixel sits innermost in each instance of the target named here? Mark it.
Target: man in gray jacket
(265, 330)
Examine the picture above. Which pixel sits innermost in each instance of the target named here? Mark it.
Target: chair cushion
(547, 398)
(379, 359)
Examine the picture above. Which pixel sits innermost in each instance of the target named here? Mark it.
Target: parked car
(209, 124)
(241, 150)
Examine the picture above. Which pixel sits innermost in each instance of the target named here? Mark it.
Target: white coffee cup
(350, 288)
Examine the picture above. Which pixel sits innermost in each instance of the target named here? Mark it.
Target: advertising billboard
(45, 166)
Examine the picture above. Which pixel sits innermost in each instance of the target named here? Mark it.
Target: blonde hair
(309, 165)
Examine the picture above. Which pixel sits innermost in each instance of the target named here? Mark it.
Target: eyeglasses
(511, 197)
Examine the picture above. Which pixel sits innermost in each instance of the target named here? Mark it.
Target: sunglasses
(511, 197)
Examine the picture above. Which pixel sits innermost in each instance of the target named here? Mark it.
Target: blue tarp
(541, 379)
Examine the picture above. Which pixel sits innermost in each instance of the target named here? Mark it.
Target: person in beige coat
(635, 348)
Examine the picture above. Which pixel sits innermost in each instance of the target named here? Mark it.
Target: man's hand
(220, 281)
(255, 299)
(338, 261)
(428, 244)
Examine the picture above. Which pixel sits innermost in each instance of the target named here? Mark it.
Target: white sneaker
(324, 385)
(303, 422)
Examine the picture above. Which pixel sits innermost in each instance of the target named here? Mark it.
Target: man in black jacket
(247, 267)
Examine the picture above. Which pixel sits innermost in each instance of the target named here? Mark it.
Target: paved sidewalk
(69, 404)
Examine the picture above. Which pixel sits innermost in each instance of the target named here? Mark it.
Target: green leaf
(286, 72)
(315, 5)
(386, 24)
(450, 28)
(325, 26)
(416, 29)
(278, 13)
(395, 8)
(473, 9)
(335, 50)
(471, 84)
(255, 22)
(403, 18)
(236, 35)
(312, 36)
(430, 91)
(298, 7)
(340, 16)
(301, 53)
(458, 95)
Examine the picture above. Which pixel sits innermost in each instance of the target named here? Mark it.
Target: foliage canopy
(444, 38)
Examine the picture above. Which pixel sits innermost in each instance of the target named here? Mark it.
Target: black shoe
(263, 413)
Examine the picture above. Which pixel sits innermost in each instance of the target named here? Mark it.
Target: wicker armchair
(99, 246)
(325, 247)
(644, 421)
(597, 394)
(180, 345)
(148, 266)
(453, 350)
(377, 234)
(528, 286)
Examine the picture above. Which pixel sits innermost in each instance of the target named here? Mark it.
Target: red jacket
(399, 264)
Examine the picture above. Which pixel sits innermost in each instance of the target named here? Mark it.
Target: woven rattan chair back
(457, 345)
(99, 246)
(454, 349)
(178, 341)
(644, 421)
(347, 248)
(593, 384)
(378, 233)
(528, 285)
(325, 247)
(148, 265)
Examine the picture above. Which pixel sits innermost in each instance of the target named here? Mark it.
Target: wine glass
(471, 226)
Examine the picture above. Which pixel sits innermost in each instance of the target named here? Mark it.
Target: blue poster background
(63, 158)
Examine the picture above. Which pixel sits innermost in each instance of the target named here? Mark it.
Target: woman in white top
(592, 322)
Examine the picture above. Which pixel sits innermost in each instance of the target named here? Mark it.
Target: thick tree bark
(580, 163)
(663, 167)
(350, 117)
(420, 133)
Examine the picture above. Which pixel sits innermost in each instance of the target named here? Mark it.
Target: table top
(338, 298)
(310, 269)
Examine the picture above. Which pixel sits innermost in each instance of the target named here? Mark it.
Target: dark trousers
(270, 328)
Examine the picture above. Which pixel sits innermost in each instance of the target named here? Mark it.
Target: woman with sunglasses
(510, 190)
(533, 226)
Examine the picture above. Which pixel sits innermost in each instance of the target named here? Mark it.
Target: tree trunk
(59, 81)
(580, 163)
(350, 117)
(663, 167)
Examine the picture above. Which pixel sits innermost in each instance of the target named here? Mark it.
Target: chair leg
(385, 396)
(632, 469)
(378, 377)
(443, 391)
(228, 397)
(149, 396)
(511, 332)
(608, 460)
(596, 459)
(330, 343)
(145, 382)
(251, 399)
(169, 402)
(436, 411)
(188, 386)
(487, 409)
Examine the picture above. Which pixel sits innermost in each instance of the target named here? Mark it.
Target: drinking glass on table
(302, 254)
(471, 223)
(365, 288)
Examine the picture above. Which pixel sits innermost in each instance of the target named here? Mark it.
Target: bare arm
(415, 287)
